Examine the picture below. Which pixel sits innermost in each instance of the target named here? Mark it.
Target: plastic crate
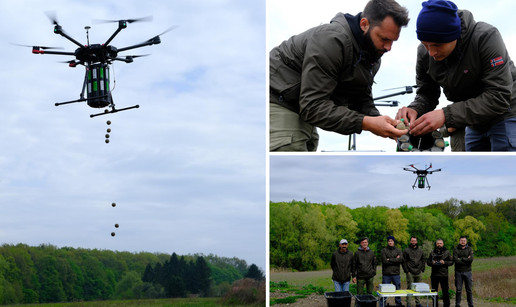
(366, 300)
(338, 299)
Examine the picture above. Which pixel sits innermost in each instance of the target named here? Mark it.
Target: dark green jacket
(440, 270)
(324, 75)
(463, 258)
(482, 93)
(392, 266)
(364, 264)
(342, 265)
(413, 260)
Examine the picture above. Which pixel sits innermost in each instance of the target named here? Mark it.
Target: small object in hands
(401, 125)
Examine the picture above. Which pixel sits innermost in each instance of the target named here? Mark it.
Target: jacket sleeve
(404, 263)
(332, 262)
(384, 257)
(448, 260)
(468, 259)
(428, 93)
(429, 261)
(325, 56)
(497, 80)
(398, 260)
(354, 266)
(422, 261)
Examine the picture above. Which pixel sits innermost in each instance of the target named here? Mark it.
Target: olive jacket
(463, 258)
(392, 265)
(438, 269)
(342, 265)
(413, 260)
(325, 76)
(478, 77)
(364, 264)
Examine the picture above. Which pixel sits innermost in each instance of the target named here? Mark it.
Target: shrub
(246, 291)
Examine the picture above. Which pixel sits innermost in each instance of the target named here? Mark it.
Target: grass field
(494, 280)
(179, 302)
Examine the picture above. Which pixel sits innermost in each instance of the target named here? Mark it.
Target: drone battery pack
(98, 85)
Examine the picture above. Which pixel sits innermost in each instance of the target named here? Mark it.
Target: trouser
(368, 283)
(341, 286)
(436, 280)
(396, 280)
(412, 278)
(287, 132)
(465, 277)
(500, 137)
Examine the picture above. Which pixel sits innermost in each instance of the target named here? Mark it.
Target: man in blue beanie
(468, 59)
(391, 261)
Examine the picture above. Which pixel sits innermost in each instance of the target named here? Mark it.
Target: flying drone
(421, 175)
(97, 58)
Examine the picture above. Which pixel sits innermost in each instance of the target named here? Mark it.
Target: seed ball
(107, 141)
(107, 136)
(109, 130)
(116, 225)
(108, 122)
(113, 204)
(112, 234)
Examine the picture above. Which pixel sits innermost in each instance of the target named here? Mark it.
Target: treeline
(303, 235)
(47, 273)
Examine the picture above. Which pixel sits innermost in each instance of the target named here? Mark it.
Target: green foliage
(304, 235)
(287, 300)
(46, 273)
(255, 273)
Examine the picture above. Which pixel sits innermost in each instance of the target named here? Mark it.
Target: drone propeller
(52, 15)
(397, 88)
(37, 47)
(144, 19)
(168, 30)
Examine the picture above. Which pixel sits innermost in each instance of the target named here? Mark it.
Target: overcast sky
(287, 18)
(186, 170)
(379, 180)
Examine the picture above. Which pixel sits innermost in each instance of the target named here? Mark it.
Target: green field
(178, 302)
(494, 280)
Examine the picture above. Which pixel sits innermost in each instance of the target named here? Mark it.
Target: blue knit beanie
(438, 22)
(391, 237)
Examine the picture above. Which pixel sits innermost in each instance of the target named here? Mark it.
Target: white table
(408, 293)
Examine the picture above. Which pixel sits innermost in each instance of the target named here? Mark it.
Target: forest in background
(47, 273)
(304, 235)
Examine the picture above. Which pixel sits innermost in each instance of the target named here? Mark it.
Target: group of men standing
(360, 267)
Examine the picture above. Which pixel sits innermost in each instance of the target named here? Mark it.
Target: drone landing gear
(113, 110)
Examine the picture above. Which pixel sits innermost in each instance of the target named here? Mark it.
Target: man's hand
(427, 123)
(409, 115)
(383, 126)
(354, 280)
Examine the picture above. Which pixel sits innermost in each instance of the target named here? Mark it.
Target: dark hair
(463, 237)
(413, 237)
(376, 10)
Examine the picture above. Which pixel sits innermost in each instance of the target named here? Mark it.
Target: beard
(374, 53)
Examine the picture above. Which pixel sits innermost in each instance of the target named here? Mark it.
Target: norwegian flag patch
(496, 61)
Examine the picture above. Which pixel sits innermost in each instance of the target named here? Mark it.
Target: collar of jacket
(467, 23)
(361, 249)
(358, 34)
(460, 246)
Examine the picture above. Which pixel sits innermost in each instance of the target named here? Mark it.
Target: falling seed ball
(116, 225)
(113, 204)
(107, 136)
(112, 234)
(108, 122)
(109, 130)
(107, 141)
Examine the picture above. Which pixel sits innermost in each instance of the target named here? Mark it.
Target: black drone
(421, 175)
(97, 58)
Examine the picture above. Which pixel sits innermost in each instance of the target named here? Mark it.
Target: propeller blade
(168, 30)
(397, 88)
(40, 47)
(52, 15)
(143, 19)
(136, 56)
